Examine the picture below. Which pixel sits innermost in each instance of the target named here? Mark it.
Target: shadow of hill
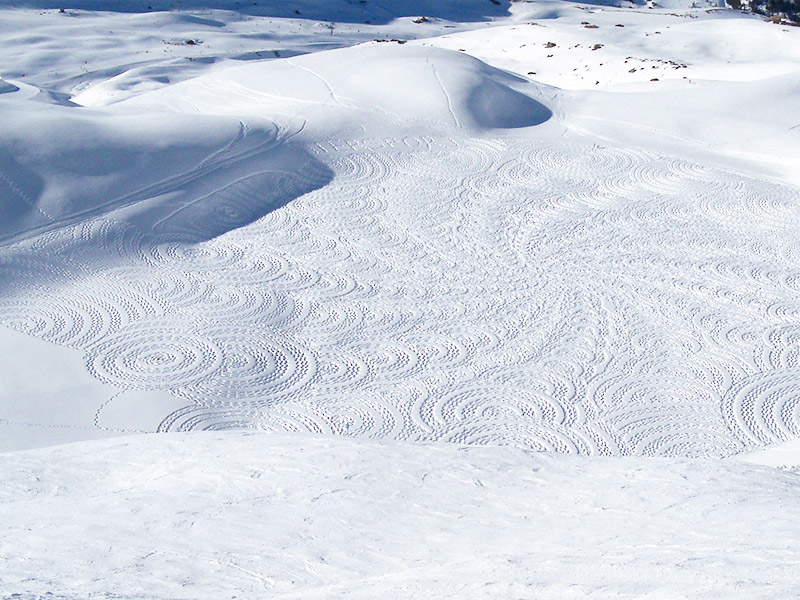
(134, 234)
(186, 182)
(204, 210)
(343, 11)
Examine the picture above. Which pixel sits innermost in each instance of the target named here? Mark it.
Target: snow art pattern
(561, 297)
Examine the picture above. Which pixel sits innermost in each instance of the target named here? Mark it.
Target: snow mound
(383, 81)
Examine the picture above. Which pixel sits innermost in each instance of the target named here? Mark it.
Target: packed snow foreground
(482, 299)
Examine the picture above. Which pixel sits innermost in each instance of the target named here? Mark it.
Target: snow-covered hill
(550, 226)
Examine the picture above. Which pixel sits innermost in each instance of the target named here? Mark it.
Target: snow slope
(69, 166)
(557, 293)
(669, 81)
(253, 516)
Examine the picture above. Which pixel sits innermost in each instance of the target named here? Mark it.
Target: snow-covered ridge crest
(402, 83)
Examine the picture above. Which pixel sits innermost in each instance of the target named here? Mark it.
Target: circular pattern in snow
(256, 367)
(557, 296)
(764, 408)
(154, 356)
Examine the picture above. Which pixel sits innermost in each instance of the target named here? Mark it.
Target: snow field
(431, 270)
(482, 283)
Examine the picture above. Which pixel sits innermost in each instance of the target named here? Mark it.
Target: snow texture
(254, 516)
(440, 228)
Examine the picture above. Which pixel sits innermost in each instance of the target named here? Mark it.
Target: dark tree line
(785, 8)
(790, 8)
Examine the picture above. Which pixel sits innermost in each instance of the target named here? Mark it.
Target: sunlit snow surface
(262, 516)
(457, 271)
(566, 297)
(550, 226)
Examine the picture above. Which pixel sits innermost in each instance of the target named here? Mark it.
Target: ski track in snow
(610, 301)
